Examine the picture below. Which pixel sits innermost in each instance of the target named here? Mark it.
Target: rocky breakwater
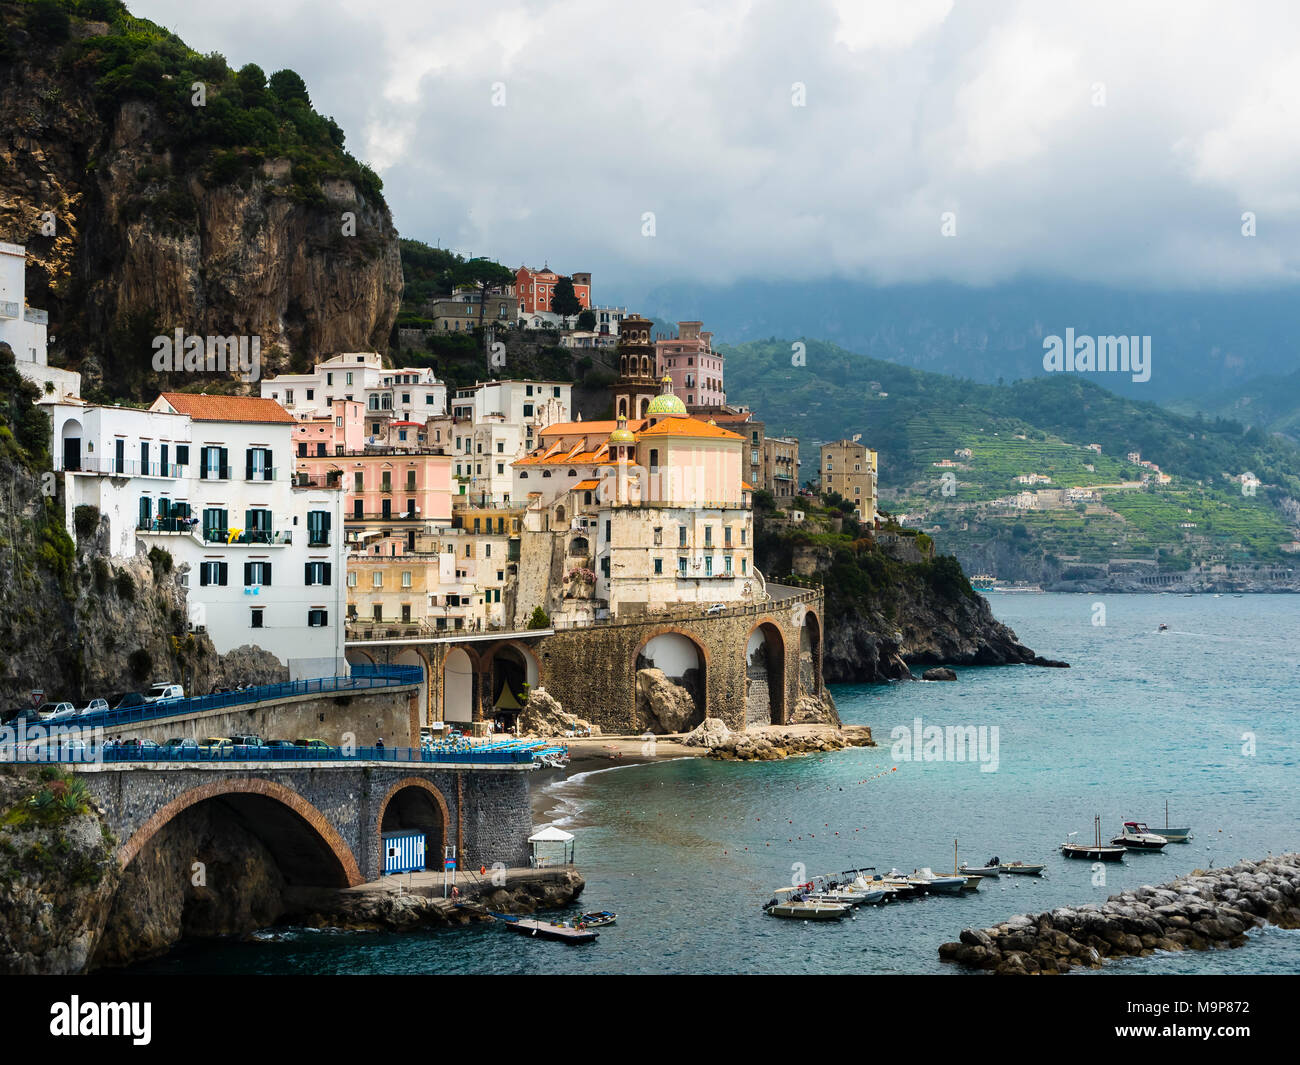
(1199, 911)
(774, 742)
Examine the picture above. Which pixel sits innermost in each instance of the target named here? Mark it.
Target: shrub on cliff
(539, 620)
(85, 519)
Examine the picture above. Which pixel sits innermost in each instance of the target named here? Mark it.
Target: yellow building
(850, 468)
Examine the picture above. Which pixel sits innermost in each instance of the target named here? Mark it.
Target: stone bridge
(748, 665)
(323, 821)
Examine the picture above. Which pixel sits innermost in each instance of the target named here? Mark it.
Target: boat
(1022, 869)
(595, 919)
(971, 876)
(1174, 835)
(1097, 852)
(791, 903)
(1137, 837)
(556, 930)
(1163, 627)
(936, 884)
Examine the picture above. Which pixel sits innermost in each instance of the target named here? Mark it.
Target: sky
(908, 141)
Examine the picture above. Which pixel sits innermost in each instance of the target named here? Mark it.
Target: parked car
(181, 743)
(216, 743)
(315, 745)
(164, 693)
(716, 608)
(280, 744)
(142, 748)
(246, 744)
(129, 700)
(48, 710)
(95, 706)
(57, 712)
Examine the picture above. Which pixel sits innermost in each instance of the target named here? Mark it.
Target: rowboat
(1097, 852)
(1136, 837)
(595, 919)
(1022, 869)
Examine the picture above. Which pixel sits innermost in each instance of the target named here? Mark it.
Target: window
(410, 480)
(708, 565)
(377, 579)
(214, 464)
(352, 578)
(357, 512)
(744, 565)
(659, 566)
(255, 621)
(681, 536)
(182, 454)
(726, 536)
(257, 574)
(144, 458)
(311, 393)
(258, 523)
(358, 482)
(318, 528)
(320, 452)
(302, 450)
(406, 578)
(528, 410)
(681, 566)
(708, 536)
(317, 618)
(213, 573)
(215, 524)
(318, 572)
(726, 564)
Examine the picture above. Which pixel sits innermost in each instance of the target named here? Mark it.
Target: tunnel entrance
(414, 807)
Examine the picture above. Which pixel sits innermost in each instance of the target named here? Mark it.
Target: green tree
(539, 620)
(483, 275)
(564, 301)
(587, 321)
(288, 87)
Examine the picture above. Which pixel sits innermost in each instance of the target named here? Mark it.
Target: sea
(1201, 715)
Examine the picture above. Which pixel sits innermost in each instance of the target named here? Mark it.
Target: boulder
(665, 703)
(710, 733)
(812, 710)
(543, 715)
(939, 673)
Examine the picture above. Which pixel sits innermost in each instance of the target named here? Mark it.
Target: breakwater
(1204, 909)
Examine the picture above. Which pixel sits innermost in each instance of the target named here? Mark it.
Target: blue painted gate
(403, 852)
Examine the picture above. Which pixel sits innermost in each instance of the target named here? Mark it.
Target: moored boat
(936, 884)
(1137, 837)
(564, 933)
(1022, 869)
(1097, 852)
(1174, 835)
(595, 919)
(791, 903)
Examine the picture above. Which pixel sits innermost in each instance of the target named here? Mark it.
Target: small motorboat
(791, 903)
(1097, 852)
(1163, 627)
(973, 876)
(595, 919)
(1022, 869)
(557, 930)
(936, 884)
(1137, 837)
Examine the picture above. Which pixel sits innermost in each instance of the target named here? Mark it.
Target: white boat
(935, 884)
(1022, 869)
(791, 903)
(1174, 835)
(1137, 837)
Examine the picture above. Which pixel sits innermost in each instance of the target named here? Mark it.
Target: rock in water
(664, 702)
(543, 715)
(939, 673)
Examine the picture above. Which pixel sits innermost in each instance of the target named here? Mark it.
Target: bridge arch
(683, 658)
(508, 664)
(315, 842)
(460, 668)
(765, 674)
(810, 654)
(414, 803)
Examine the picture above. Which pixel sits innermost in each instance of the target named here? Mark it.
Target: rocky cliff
(144, 211)
(890, 602)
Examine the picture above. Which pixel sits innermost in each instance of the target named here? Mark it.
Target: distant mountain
(1201, 341)
(922, 423)
(1272, 403)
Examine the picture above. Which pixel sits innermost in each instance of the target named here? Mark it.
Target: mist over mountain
(1202, 341)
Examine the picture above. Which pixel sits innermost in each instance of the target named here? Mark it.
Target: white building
(25, 329)
(401, 394)
(209, 479)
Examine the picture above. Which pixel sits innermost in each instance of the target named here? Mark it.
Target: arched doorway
(765, 676)
(70, 444)
(679, 701)
(458, 686)
(514, 672)
(810, 656)
(413, 804)
(408, 656)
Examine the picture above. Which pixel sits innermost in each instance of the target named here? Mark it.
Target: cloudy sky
(1117, 142)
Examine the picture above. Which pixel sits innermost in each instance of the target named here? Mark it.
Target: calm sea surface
(1203, 715)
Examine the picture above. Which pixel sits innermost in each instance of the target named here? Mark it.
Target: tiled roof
(685, 426)
(205, 408)
(587, 428)
(586, 486)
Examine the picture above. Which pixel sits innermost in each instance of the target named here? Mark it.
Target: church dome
(622, 435)
(666, 403)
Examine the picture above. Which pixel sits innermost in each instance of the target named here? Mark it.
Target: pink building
(386, 488)
(340, 431)
(693, 365)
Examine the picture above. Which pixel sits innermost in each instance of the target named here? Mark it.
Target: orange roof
(566, 458)
(589, 428)
(585, 486)
(689, 427)
(205, 408)
(746, 486)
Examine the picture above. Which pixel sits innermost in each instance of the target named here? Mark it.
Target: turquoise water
(1203, 715)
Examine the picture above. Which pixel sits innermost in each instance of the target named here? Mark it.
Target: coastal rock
(542, 715)
(939, 673)
(710, 733)
(666, 705)
(815, 710)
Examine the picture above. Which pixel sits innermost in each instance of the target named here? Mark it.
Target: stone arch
(432, 849)
(347, 871)
(622, 405)
(70, 437)
(694, 678)
(559, 514)
(460, 670)
(765, 674)
(415, 656)
(356, 655)
(508, 664)
(810, 654)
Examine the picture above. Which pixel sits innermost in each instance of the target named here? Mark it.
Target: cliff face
(889, 603)
(145, 240)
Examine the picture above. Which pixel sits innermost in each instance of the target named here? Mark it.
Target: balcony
(219, 473)
(109, 467)
(260, 475)
(248, 537)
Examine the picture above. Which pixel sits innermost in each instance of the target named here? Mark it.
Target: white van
(164, 693)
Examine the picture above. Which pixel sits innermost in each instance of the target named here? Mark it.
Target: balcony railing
(107, 466)
(248, 537)
(218, 473)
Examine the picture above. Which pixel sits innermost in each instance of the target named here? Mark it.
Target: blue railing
(483, 754)
(363, 676)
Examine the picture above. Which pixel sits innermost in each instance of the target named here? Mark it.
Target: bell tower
(636, 385)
